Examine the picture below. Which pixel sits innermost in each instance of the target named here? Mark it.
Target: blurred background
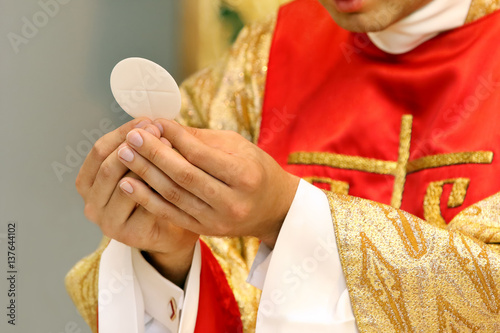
(55, 101)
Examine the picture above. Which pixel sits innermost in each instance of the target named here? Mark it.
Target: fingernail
(141, 124)
(159, 127)
(135, 138)
(127, 187)
(126, 153)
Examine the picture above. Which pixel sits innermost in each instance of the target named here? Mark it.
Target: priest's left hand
(227, 185)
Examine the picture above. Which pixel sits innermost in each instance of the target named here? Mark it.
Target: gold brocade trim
(229, 94)
(432, 199)
(403, 156)
(481, 8)
(336, 186)
(410, 232)
(453, 287)
(450, 320)
(480, 221)
(385, 285)
(476, 264)
(82, 285)
(340, 161)
(440, 160)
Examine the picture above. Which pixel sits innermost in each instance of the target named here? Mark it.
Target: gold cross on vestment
(400, 168)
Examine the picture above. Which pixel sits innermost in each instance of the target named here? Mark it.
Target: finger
(177, 168)
(159, 181)
(209, 137)
(156, 205)
(101, 150)
(190, 142)
(108, 175)
(116, 212)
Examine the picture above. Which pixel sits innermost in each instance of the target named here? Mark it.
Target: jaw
(375, 15)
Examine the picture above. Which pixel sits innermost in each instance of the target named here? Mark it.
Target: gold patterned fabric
(405, 275)
(394, 263)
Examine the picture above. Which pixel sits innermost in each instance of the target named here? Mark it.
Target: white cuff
(133, 294)
(304, 288)
(260, 266)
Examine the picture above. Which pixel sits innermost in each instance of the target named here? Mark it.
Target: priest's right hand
(169, 248)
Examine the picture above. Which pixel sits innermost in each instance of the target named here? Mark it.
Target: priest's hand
(170, 248)
(213, 183)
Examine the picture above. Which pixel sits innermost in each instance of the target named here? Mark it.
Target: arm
(209, 100)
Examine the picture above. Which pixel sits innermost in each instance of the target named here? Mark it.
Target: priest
(360, 193)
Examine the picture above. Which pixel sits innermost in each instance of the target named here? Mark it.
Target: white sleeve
(303, 285)
(135, 298)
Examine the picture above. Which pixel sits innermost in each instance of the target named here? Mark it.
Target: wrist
(270, 238)
(173, 266)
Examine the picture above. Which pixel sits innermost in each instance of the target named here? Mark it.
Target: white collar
(427, 22)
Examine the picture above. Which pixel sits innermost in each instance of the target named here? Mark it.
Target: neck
(480, 8)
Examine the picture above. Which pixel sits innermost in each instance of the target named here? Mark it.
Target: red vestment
(331, 90)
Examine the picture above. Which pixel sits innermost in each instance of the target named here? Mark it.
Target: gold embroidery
(336, 186)
(450, 319)
(383, 281)
(408, 230)
(401, 168)
(403, 156)
(432, 199)
(440, 160)
(340, 161)
(476, 264)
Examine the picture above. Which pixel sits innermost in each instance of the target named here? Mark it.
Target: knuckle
(90, 212)
(172, 195)
(156, 155)
(163, 214)
(186, 177)
(100, 150)
(143, 170)
(143, 200)
(252, 180)
(239, 212)
(78, 183)
(106, 171)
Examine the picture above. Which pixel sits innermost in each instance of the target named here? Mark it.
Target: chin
(359, 22)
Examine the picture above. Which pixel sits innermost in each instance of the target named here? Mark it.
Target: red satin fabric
(218, 311)
(330, 90)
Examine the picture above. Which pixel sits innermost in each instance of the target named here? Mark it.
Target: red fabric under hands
(218, 311)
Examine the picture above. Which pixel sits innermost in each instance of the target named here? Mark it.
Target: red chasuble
(421, 127)
(218, 311)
